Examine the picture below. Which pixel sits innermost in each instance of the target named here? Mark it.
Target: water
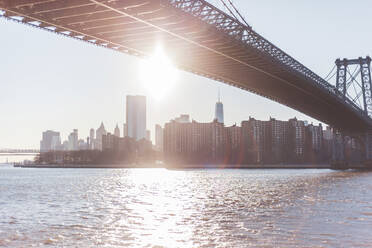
(184, 208)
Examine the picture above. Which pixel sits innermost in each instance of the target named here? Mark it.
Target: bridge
(204, 40)
(18, 151)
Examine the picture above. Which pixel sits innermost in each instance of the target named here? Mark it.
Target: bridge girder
(199, 38)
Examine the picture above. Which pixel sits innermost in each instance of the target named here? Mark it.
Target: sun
(157, 74)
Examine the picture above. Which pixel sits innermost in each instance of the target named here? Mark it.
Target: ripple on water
(185, 208)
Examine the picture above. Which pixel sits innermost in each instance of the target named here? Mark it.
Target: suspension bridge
(202, 39)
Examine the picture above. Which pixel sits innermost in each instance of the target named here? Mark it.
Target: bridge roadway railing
(243, 33)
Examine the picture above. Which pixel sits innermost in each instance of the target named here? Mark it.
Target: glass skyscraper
(218, 114)
(136, 117)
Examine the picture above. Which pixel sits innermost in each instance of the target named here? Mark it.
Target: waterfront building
(108, 142)
(328, 143)
(256, 141)
(159, 134)
(175, 141)
(125, 149)
(220, 148)
(234, 141)
(136, 117)
(278, 131)
(218, 114)
(298, 136)
(73, 140)
(328, 133)
(51, 140)
(316, 136)
(235, 135)
(194, 142)
(314, 143)
(117, 131)
(182, 119)
(99, 133)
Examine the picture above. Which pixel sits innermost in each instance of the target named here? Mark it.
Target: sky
(51, 82)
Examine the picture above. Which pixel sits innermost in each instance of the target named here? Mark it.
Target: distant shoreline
(129, 166)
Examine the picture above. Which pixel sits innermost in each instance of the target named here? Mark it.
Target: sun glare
(157, 74)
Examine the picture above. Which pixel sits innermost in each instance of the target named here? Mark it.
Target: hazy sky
(52, 82)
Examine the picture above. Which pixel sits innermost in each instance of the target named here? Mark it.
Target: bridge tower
(347, 83)
(354, 83)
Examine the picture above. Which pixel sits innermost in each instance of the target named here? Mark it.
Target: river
(184, 208)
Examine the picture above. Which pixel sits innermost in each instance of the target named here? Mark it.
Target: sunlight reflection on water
(184, 208)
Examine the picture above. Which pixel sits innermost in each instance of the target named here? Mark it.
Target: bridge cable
(329, 79)
(357, 97)
(237, 11)
(353, 76)
(352, 79)
(326, 78)
(227, 7)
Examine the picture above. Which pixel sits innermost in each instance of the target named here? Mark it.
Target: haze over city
(52, 82)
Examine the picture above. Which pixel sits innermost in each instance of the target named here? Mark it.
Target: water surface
(184, 208)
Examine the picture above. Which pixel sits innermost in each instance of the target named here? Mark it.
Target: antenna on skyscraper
(219, 95)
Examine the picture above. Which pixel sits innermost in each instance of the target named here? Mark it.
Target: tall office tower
(99, 133)
(159, 137)
(50, 141)
(136, 117)
(218, 114)
(91, 139)
(148, 135)
(73, 140)
(125, 130)
(117, 131)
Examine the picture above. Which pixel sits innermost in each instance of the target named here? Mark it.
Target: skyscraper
(91, 139)
(136, 117)
(99, 133)
(50, 141)
(73, 140)
(218, 114)
(117, 131)
(159, 137)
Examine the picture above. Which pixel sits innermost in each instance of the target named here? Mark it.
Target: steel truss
(243, 33)
(363, 89)
(203, 40)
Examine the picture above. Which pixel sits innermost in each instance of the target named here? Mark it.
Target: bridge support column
(368, 149)
(338, 151)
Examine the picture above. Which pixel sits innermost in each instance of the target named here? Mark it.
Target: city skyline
(136, 117)
(63, 91)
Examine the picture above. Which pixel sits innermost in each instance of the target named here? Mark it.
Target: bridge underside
(137, 27)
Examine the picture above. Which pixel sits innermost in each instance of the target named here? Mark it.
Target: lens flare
(157, 74)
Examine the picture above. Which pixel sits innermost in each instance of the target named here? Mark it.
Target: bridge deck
(199, 38)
